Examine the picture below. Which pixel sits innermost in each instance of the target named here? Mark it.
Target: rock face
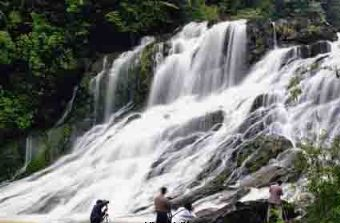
(258, 152)
(290, 31)
(249, 165)
(247, 212)
(12, 158)
(332, 8)
(189, 134)
(48, 145)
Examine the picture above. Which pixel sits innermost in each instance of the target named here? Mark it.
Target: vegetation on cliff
(323, 172)
(43, 45)
(45, 49)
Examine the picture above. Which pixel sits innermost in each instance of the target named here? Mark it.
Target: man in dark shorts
(162, 207)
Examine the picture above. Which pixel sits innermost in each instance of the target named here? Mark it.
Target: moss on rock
(256, 153)
(289, 31)
(11, 159)
(147, 62)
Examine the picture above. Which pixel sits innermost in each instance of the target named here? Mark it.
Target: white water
(110, 78)
(116, 160)
(201, 61)
(274, 35)
(28, 151)
(95, 87)
(68, 108)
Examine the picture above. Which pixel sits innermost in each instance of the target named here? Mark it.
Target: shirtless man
(162, 206)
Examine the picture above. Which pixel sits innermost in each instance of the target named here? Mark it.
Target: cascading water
(201, 61)
(108, 78)
(28, 151)
(127, 158)
(95, 85)
(68, 108)
(274, 35)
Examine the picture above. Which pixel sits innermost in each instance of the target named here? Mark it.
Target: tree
(323, 172)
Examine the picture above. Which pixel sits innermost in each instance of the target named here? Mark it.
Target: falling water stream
(274, 35)
(126, 160)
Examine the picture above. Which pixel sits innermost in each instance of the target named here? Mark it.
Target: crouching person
(99, 211)
(184, 214)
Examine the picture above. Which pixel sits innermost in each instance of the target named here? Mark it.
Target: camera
(105, 202)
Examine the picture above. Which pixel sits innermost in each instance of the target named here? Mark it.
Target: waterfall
(95, 85)
(68, 108)
(109, 78)
(274, 35)
(201, 61)
(28, 151)
(202, 103)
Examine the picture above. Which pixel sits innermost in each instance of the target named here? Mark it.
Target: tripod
(106, 218)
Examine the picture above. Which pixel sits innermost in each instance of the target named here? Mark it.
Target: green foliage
(40, 162)
(7, 48)
(14, 18)
(199, 10)
(15, 111)
(114, 18)
(275, 215)
(294, 88)
(248, 14)
(74, 6)
(324, 180)
(138, 16)
(44, 48)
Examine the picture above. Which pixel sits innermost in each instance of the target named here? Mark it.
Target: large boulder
(249, 166)
(257, 152)
(244, 212)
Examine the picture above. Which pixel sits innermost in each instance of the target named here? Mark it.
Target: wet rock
(290, 31)
(205, 123)
(248, 165)
(264, 176)
(133, 117)
(217, 161)
(228, 196)
(254, 124)
(263, 100)
(244, 212)
(258, 152)
(163, 162)
(307, 51)
(195, 195)
(181, 143)
(268, 148)
(250, 212)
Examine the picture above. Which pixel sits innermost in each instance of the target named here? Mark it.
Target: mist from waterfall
(129, 156)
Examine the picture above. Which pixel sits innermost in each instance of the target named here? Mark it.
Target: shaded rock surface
(187, 136)
(244, 212)
(290, 31)
(249, 164)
